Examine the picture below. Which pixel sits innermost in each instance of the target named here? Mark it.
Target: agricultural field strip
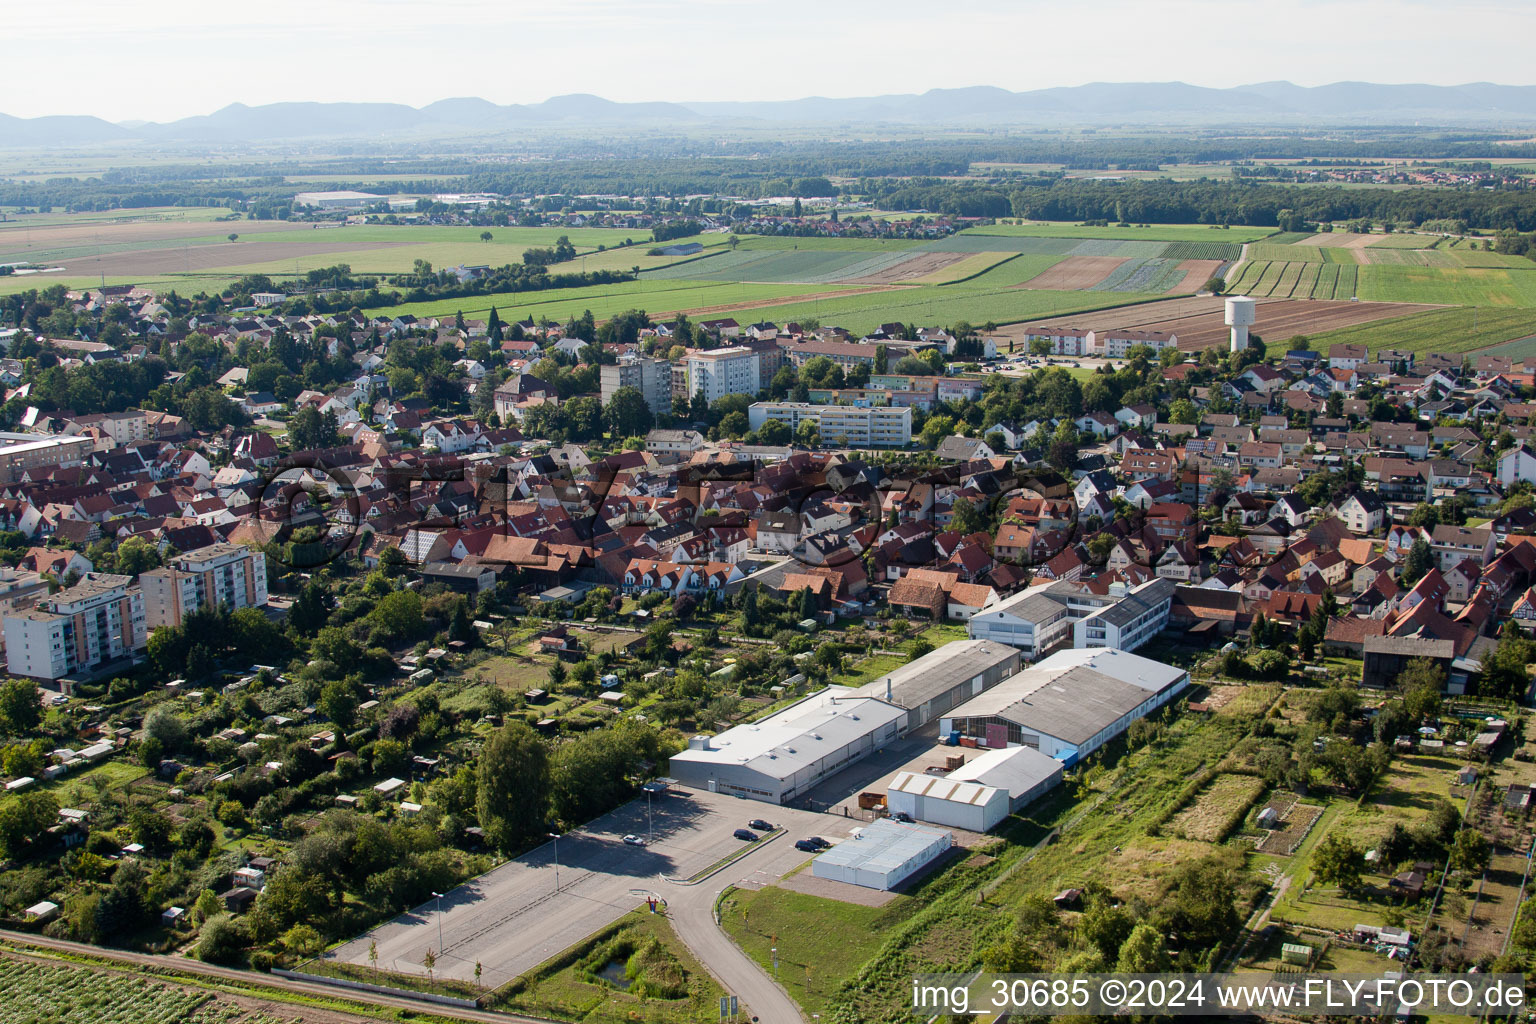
(1237, 234)
(1440, 330)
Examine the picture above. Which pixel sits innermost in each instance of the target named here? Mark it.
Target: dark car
(807, 846)
(760, 825)
(746, 834)
(818, 842)
(903, 816)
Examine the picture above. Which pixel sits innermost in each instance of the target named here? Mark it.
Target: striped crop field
(1307, 283)
(1226, 251)
(1286, 282)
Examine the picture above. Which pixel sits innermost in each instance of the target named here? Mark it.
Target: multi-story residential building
(1075, 613)
(225, 574)
(21, 452)
(651, 377)
(95, 624)
(723, 371)
(843, 425)
(1115, 344)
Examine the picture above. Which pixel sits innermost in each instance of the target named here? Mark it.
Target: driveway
(513, 918)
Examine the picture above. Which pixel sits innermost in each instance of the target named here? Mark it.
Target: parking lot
(513, 918)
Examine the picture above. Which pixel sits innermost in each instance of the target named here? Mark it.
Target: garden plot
(1298, 820)
(1149, 276)
(1218, 809)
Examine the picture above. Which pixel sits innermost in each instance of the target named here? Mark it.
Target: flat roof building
(1070, 704)
(787, 753)
(943, 679)
(91, 626)
(1072, 611)
(882, 855)
(231, 575)
(336, 200)
(859, 426)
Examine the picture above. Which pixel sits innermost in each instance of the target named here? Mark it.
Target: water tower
(1240, 311)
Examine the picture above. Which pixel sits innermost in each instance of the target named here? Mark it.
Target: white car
(633, 841)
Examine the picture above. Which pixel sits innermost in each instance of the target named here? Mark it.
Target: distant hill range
(1143, 102)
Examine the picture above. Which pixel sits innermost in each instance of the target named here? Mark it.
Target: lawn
(574, 985)
(1453, 330)
(821, 942)
(1151, 232)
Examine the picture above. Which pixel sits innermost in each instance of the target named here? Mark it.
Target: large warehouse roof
(939, 671)
(883, 846)
(798, 736)
(1073, 694)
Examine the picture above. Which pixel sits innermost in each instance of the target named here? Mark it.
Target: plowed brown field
(1198, 321)
(1074, 273)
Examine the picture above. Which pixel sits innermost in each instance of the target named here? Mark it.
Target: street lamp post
(649, 828)
(556, 837)
(439, 897)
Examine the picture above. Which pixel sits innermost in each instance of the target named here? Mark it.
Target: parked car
(633, 841)
(903, 816)
(760, 825)
(807, 846)
(821, 843)
(745, 834)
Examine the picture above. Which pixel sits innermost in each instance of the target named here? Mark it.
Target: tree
(1183, 411)
(21, 707)
(338, 702)
(514, 777)
(965, 518)
(1338, 861)
(1421, 681)
(485, 236)
(1421, 558)
(627, 414)
(165, 725)
(23, 818)
(774, 432)
(1504, 671)
(1471, 852)
(1143, 952)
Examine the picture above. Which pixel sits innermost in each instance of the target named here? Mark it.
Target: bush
(221, 941)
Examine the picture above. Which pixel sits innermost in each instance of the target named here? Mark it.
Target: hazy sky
(164, 59)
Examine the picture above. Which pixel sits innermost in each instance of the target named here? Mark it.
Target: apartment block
(91, 626)
(651, 377)
(723, 371)
(231, 575)
(843, 425)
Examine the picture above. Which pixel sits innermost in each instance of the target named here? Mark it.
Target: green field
(1406, 241)
(1152, 232)
(1302, 253)
(1440, 330)
(820, 942)
(1449, 286)
(1015, 271)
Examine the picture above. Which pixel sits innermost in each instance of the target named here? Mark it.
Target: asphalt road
(513, 918)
